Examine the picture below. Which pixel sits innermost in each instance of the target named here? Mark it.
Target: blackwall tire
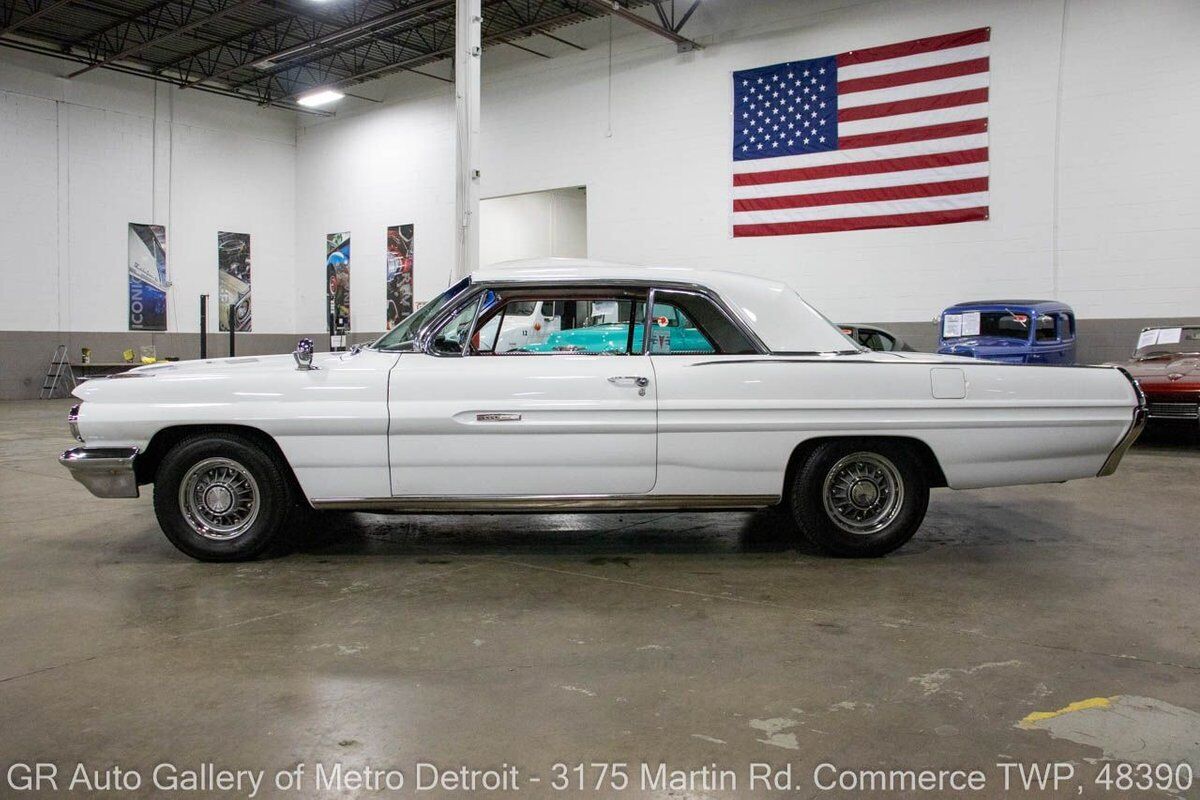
(859, 498)
(221, 497)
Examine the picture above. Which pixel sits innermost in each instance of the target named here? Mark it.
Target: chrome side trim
(105, 471)
(524, 504)
(1140, 414)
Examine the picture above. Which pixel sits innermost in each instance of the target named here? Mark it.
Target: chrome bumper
(1135, 429)
(105, 471)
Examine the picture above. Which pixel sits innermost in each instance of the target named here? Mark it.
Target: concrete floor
(680, 638)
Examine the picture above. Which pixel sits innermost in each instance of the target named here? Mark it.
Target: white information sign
(952, 326)
(1169, 335)
(970, 323)
(1159, 336)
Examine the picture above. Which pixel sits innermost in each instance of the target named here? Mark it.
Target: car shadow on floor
(594, 535)
(1169, 437)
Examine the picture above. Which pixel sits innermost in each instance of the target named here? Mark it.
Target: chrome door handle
(630, 380)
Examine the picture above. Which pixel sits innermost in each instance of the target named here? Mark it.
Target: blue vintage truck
(1010, 331)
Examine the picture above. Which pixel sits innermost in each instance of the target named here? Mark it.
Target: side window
(1068, 325)
(690, 324)
(1047, 328)
(520, 308)
(592, 325)
(876, 340)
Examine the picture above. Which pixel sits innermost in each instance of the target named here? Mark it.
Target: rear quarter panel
(731, 423)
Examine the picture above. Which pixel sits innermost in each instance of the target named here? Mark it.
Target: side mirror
(304, 354)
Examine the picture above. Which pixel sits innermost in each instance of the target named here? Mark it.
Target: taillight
(73, 422)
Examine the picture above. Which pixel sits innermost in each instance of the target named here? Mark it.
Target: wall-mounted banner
(233, 268)
(399, 273)
(147, 277)
(337, 282)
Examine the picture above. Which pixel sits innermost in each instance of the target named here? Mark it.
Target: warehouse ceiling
(273, 51)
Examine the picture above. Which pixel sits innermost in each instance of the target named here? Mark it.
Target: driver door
(566, 419)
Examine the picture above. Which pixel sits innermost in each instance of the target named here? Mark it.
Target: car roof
(773, 310)
(534, 270)
(1036, 305)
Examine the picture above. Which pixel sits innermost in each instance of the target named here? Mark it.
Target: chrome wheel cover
(219, 499)
(863, 493)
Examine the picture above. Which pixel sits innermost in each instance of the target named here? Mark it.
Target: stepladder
(59, 375)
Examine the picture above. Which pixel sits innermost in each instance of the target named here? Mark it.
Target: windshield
(1005, 324)
(404, 335)
(1168, 341)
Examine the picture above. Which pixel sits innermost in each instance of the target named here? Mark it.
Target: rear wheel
(859, 497)
(221, 497)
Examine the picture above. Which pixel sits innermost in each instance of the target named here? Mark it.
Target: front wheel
(220, 497)
(860, 498)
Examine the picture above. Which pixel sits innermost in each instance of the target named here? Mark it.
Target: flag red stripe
(863, 223)
(920, 134)
(950, 100)
(921, 75)
(909, 48)
(950, 159)
(905, 192)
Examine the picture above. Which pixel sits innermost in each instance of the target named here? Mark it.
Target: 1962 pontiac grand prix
(734, 394)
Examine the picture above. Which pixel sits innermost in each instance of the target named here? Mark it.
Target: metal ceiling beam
(682, 43)
(338, 37)
(493, 38)
(170, 34)
(47, 7)
(54, 52)
(560, 41)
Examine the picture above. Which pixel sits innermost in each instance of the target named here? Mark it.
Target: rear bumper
(1140, 416)
(105, 471)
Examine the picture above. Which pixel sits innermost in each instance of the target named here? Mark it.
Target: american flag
(885, 137)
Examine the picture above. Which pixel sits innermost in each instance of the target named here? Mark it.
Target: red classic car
(1166, 364)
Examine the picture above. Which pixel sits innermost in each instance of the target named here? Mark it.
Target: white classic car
(737, 395)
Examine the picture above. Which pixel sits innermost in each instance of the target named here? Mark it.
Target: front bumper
(1140, 416)
(105, 471)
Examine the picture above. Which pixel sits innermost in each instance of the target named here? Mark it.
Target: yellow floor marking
(1080, 705)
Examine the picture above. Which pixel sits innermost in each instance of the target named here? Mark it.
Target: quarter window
(684, 323)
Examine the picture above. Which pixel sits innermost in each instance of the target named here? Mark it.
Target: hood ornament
(304, 354)
(1175, 376)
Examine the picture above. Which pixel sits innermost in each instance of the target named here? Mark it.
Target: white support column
(468, 50)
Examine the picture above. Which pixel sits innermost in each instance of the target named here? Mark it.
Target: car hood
(237, 364)
(258, 373)
(1175, 372)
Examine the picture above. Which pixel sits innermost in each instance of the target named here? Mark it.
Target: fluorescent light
(320, 97)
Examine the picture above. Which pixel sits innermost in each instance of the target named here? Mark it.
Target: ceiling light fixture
(321, 97)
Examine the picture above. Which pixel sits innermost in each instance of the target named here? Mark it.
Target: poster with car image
(399, 273)
(337, 282)
(233, 269)
(147, 277)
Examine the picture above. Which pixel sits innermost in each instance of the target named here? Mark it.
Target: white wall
(549, 223)
(1123, 183)
(81, 159)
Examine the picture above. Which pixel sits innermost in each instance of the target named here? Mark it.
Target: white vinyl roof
(773, 310)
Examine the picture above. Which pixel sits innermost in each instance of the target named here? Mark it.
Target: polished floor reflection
(689, 638)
